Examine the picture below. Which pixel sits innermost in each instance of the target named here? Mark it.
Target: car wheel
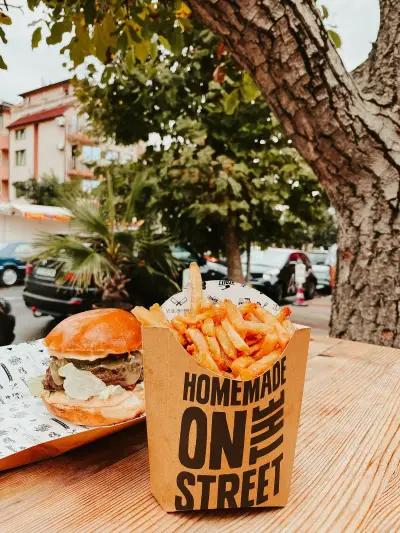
(311, 288)
(9, 277)
(278, 293)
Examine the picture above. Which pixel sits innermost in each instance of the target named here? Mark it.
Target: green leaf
(231, 102)
(335, 38)
(324, 12)
(248, 89)
(142, 50)
(3, 35)
(2, 64)
(5, 19)
(36, 37)
(57, 31)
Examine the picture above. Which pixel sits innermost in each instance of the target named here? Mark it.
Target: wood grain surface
(346, 474)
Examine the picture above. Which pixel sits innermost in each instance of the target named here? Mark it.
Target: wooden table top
(346, 473)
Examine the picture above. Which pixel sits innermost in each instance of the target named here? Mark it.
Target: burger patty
(125, 370)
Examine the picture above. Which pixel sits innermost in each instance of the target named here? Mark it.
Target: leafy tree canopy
(227, 158)
(46, 191)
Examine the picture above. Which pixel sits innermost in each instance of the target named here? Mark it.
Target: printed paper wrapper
(28, 432)
(216, 442)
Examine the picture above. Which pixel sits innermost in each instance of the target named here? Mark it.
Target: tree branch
(379, 76)
(283, 43)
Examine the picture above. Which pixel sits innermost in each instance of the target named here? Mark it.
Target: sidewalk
(316, 314)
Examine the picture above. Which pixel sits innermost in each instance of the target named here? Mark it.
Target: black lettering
(181, 479)
(247, 486)
(266, 384)
(221, 440)
(283, 370)
(251, 391)
(203, 389)
(277, 464)
(262, 484)
(272, 425)
(235, 390)
(273, 404)
(276, 375)
(226, 494)
(220, 391)
(198, 417)
(205, 491)
(189, 386)
(256, 453)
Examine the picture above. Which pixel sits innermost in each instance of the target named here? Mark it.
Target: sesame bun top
(95, 334)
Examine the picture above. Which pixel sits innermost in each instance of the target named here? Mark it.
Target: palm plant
(111, 249)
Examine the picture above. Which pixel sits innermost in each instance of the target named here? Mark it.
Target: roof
(5, 106)
(46, 87)
(40, 116)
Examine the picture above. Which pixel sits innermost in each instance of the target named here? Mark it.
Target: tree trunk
(248, 257)
(347, 127)
(232, 250)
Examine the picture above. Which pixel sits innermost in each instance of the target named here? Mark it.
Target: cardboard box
(217, 442)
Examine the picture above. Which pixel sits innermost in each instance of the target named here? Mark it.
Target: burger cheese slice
(95, 373)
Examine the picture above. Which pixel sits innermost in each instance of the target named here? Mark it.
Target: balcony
(4, 141)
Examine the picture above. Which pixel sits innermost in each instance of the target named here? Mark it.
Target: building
(45, 134)
(5, 114)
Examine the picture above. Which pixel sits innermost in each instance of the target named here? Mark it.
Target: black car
(272, 272)
(46, 296)
(7, 323)
(13, 256)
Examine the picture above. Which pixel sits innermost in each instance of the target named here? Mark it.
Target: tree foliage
(47, 190)
(109, 250)
(225, 156)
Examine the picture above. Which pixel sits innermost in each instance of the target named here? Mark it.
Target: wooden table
(346, 474)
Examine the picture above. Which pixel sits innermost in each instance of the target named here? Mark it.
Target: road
(315, 314)
(27, 327)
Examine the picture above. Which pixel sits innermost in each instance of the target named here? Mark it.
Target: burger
(95, 373)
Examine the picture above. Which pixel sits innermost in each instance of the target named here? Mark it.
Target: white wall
(51, 159)
(20, 173)
(14, 228)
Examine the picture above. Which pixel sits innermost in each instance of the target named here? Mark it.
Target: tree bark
(232, 250)
(347, 127)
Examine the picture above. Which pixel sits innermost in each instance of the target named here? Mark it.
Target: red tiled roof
(46, 87)
(40, 116)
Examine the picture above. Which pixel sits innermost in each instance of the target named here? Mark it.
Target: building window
(74, 154)
(90, 154)
(20, 134)
(20, 158)
(112, 155)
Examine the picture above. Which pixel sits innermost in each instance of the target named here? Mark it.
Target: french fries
(237, 341)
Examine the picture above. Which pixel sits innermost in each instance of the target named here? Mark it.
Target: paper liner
(28, 432)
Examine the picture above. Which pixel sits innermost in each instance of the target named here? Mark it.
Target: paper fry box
(217, 442)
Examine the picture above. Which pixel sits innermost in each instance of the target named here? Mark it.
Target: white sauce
(82, 384)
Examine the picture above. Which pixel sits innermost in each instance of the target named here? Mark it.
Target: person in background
(7, 323)
(331, 260)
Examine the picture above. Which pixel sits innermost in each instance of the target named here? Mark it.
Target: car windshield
(317, 258)
(3, 247)
(271, 257)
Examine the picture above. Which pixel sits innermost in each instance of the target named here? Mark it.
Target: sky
(356, 21)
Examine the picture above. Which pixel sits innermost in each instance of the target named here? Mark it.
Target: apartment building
(5, 113)
(45, 134)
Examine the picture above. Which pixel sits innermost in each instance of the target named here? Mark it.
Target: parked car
(45, 296)
(320, 268)
(13, 257)
(210, 268)
(272, 272)
(7, 323)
